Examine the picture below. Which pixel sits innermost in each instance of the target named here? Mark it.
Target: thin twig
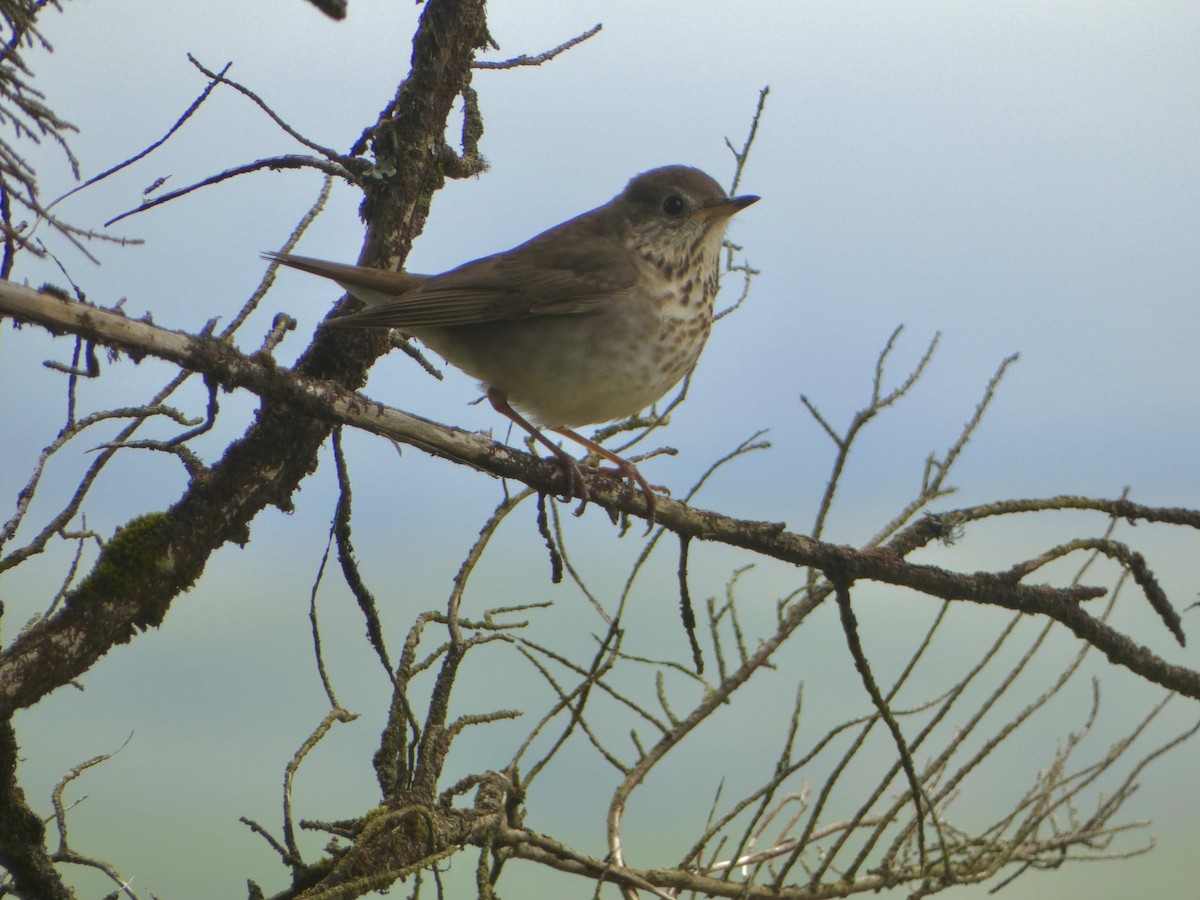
(524, 60)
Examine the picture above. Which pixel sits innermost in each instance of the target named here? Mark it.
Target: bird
(588, 322)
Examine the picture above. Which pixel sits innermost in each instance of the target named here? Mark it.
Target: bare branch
(523, 60)
(328, 402)
(740, 156)
(219, 78)
(214, 80)
(273, 164)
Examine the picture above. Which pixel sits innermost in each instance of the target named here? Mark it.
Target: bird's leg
(569, 464)
(623, 468)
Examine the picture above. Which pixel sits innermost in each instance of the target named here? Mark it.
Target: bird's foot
(573, 470)
(624, 469)
(576, 483)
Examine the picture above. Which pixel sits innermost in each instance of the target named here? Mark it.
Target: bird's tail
(371, 286)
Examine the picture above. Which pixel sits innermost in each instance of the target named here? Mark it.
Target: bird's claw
(627, 471)
(576, 483)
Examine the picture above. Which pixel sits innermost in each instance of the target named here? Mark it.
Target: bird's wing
(536, 282)
(568, 270)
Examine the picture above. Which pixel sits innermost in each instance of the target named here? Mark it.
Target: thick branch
(316, 404)
(153, 560)
(23, 833)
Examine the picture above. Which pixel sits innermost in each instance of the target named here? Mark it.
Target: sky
(1018, 177)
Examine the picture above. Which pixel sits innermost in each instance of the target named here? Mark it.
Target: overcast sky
(1021, 177)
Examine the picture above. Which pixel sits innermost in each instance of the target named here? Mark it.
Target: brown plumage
(588, 322)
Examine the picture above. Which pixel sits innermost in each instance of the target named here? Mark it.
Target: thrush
(591, 321)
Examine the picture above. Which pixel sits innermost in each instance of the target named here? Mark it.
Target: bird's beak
(726, 206)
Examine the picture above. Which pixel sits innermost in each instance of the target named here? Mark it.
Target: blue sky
(1018, 176)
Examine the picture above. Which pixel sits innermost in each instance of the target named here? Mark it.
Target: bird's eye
(673, 205)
